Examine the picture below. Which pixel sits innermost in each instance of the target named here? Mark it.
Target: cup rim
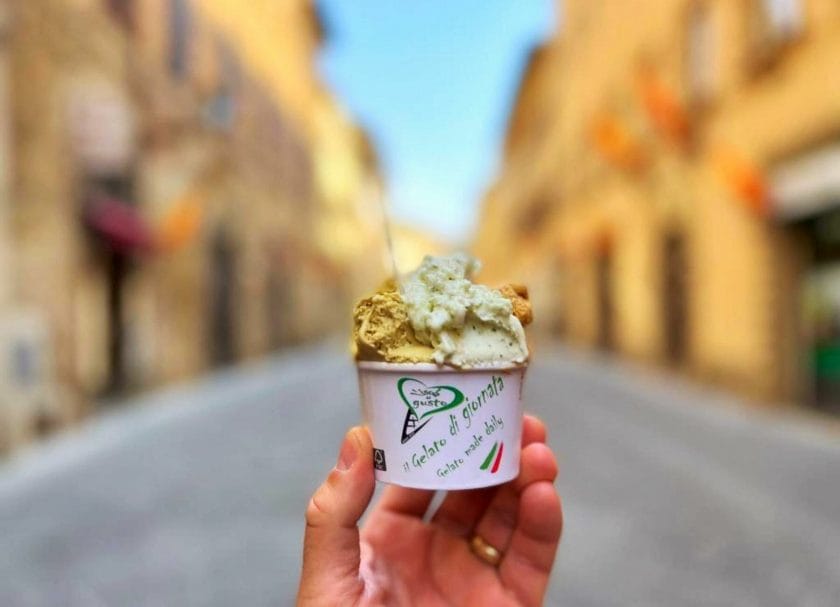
(369, 365)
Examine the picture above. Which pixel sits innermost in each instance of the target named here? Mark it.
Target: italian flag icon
(494, 458)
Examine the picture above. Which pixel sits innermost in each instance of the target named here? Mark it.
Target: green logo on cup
(424, 401)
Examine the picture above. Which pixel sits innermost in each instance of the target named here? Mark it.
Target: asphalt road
(674, 495)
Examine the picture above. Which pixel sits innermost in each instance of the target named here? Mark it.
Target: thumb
(331, 542)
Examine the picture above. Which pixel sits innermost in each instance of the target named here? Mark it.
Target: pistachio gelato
(439, 315)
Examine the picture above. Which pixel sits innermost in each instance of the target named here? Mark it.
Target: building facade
(670, 183)
(279, 40)
(161, 203)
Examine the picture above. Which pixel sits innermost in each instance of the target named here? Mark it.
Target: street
(673, 494)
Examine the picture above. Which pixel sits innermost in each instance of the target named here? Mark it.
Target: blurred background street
(674, 495)
(193, 194)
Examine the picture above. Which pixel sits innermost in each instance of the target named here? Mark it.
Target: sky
(432, 81)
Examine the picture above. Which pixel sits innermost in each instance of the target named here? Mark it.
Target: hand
(398, 559)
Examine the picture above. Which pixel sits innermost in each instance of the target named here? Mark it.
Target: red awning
(119, 225)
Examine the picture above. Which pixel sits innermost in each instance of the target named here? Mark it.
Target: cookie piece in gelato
(518, 296)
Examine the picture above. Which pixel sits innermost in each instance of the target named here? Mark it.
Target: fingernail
(347, 455)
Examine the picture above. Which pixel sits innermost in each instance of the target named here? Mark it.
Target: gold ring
(487, 553)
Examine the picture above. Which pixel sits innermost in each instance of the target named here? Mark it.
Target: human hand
(399, 559)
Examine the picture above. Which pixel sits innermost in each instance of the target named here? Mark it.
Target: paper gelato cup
(441, 427)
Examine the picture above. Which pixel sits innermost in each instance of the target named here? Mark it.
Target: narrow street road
(674, 495)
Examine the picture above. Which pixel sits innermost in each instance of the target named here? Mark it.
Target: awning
(808, 185)
(119, 225)
(182, 223)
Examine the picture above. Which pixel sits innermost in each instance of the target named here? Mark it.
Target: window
(783, 18)
(772, 24)
(179, 33)
(123, 12)
(231, 71)
(701, 56)
(534, 215)
(220, 108)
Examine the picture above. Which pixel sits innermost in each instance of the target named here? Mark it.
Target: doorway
(110, 219)
(821, 309)
(222, 302)
(279, 308)
(674, 298)
(605, 338)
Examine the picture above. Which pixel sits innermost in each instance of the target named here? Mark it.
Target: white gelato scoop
(467, 324)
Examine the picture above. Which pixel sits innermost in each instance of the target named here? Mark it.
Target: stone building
(279, 41)
(72, 132)
(164, 208)
(670, 185)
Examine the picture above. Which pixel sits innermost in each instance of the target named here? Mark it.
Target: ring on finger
(485, 551)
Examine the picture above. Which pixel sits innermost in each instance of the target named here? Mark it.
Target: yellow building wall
(742, 270)
(278, 41)
(635, 264)
(728, 310)
(55, 46)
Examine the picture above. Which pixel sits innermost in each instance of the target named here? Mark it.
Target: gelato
(439, 315)
(383, 332)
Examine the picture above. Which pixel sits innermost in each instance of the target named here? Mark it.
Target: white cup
(438, 427)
